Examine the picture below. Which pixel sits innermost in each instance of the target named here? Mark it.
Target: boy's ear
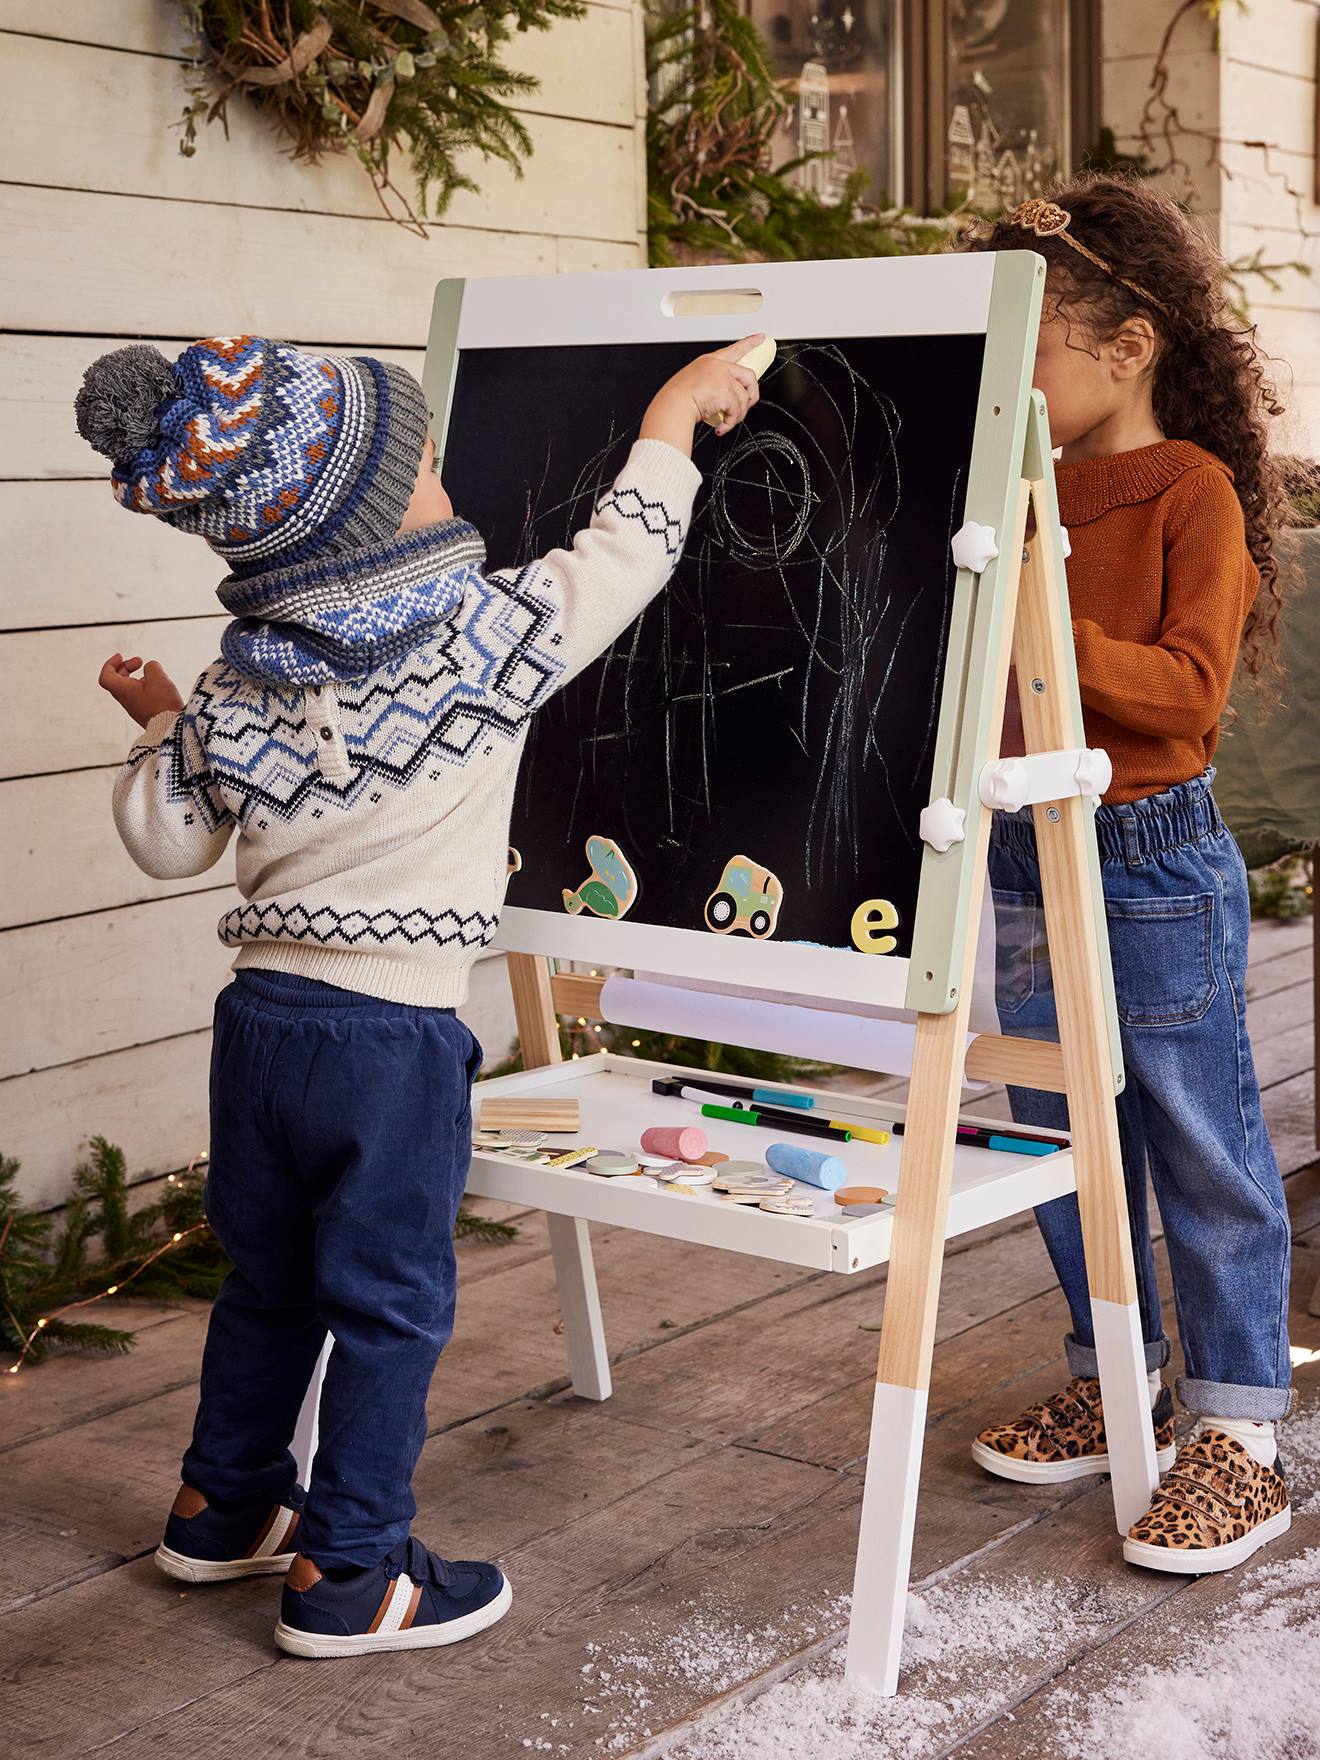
(1132, 349)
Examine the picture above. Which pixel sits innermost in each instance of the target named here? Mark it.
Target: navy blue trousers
(340, 1142)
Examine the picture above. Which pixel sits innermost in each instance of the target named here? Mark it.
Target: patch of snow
(1247, 1691)
(969, 1646)
(973, 1645)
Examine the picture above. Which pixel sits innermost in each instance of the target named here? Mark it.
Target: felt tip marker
(790, 1121)
(749, 1096)
(810, 1127)
(972, 1136)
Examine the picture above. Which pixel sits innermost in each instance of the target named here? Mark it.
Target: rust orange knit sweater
(1160, 581)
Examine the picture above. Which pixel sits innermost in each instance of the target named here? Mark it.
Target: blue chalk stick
(809, 1165)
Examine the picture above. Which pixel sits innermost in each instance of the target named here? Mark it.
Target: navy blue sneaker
(206, 1545)
(412, 1600)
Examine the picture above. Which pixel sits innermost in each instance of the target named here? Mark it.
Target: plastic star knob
(973, 546)
(943, 824)
(1067, 542)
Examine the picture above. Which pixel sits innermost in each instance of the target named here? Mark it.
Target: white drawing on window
(814, 124)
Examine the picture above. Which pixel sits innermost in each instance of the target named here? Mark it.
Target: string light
(114, 1288)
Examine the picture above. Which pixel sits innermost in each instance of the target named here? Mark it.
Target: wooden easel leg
(907, 1341)
(570, 1241)
(1075, 956)
(916, 1258)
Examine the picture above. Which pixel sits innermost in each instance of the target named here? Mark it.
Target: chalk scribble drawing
(765, 697)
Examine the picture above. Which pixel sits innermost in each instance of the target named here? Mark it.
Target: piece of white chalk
(760, 357)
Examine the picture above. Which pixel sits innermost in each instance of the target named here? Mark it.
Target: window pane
(838, 55)
(1008, 97)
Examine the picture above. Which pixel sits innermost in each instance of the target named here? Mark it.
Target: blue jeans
(341, 1134)
(1176, 898)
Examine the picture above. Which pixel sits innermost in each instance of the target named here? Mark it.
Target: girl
(1158, 402)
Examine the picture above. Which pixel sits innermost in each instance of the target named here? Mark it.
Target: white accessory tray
(617, 1105)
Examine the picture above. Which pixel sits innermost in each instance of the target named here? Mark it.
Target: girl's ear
(1131, 350)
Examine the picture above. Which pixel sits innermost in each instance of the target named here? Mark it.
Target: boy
(362, 731)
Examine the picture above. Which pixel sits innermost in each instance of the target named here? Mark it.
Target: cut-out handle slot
(706, 302)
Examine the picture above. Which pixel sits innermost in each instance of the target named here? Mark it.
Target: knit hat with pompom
(272, 455)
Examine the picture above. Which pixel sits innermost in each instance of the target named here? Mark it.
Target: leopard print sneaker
(1064, 1437)
(1216, 1507)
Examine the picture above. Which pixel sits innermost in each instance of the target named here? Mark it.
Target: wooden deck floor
(672, 1551)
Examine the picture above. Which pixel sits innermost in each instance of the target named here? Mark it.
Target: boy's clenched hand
(712, 389)
(152, 694)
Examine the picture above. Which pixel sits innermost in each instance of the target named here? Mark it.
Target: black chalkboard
(779, 699)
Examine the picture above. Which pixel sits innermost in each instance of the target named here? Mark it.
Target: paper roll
(856, 1041)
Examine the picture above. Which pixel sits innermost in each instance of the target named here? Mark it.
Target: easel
(1010, 602)
(1033, 626)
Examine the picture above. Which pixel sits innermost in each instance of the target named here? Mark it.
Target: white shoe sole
(453, 1631)
(1054, 1472)
(1195, 1561)
(220, 1570)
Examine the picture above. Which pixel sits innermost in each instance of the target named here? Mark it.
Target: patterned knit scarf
(340, 617)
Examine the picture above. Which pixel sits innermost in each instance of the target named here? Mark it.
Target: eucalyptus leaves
(368, 77)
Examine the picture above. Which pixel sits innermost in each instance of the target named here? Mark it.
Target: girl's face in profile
(1088, 379)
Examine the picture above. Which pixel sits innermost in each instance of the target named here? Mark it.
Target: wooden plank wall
(107, 977)
(1243, 87)
(1268, 93)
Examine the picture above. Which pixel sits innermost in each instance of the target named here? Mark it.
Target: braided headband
(1049, 220)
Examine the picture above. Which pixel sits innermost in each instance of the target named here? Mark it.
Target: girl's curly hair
(1209, 379)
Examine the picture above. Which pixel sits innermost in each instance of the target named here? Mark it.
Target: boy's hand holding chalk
(717, 389)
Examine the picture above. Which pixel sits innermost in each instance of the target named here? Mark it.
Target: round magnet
(611, 1163)
(659, 1161)
(732, 1167)
(642, 1181)
(712, 1158)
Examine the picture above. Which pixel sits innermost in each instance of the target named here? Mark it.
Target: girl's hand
(713, 389)
(152, 694)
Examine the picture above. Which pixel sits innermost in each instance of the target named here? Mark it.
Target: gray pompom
(121, 399)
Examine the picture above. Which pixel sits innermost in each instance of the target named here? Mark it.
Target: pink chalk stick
(685, 1143)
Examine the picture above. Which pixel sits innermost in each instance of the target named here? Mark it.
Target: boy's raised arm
(622, 559)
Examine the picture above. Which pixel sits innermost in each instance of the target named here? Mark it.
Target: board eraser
(760, 357)
(680, 1143)
(825, 1171)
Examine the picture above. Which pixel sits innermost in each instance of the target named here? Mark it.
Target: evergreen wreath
(367, 76)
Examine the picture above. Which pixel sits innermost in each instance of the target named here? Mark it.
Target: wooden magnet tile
(532, 1115)
(610, 888)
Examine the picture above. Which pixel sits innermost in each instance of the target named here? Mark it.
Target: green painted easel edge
(949, 892)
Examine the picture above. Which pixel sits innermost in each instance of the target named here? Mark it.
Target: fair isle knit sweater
(362, 731)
